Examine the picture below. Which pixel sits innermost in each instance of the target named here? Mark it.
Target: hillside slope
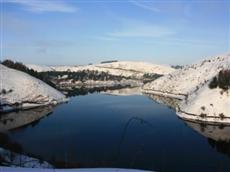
(188, 79)
(139, 67)
(19, 88)
(191, 85)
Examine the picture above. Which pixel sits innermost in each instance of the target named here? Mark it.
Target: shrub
(203, 115)
(221, 115)
(203, 107)
(3, 91)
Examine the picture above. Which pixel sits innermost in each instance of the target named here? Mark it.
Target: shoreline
(28, 106)
(186, 115)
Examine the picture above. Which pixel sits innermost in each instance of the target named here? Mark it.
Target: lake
(134, 131)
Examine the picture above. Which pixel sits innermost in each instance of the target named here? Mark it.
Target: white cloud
(145, 5)
(142, 30)
(44, 5)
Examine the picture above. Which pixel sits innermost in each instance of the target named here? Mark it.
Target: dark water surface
(99, 130)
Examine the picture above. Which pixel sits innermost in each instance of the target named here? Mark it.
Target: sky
(71, 32)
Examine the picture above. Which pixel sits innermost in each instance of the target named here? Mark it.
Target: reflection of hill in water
(15, 120)
(170, 102)
(128, 91)
(214, 132)
(218, 136)
(75, 91)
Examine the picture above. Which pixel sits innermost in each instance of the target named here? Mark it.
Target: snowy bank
(207, 105)
(8, 169)
(21, 91)
(13, 159)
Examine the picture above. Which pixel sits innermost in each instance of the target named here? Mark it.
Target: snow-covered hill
(187, 80)
(190, 84)
(19, 89)
(123, 68)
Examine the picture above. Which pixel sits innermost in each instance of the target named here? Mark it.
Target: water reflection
(170, 102)
(19, 119)
(124, 91)
(75, 91)
(218, 135)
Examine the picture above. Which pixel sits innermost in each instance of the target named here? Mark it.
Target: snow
(213, 103)
(40, 68)
(141, 67)
(25, 89)
(123, 68)
(18, 160)
(199, 102)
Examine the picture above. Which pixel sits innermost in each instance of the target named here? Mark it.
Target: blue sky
(87, 31)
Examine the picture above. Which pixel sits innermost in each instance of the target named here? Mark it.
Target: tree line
(221, 81)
